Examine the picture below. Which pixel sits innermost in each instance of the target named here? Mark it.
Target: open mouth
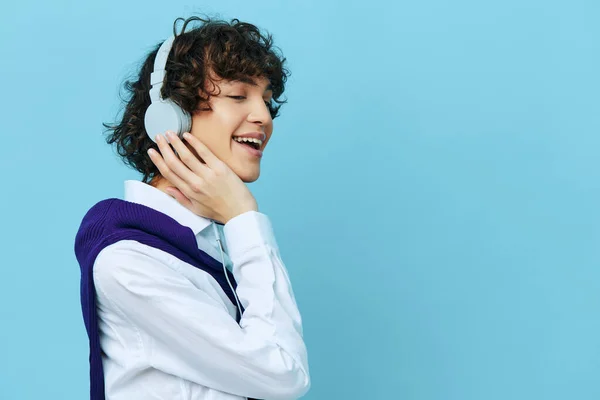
(256, 144)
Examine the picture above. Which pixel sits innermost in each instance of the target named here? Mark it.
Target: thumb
(180, 197)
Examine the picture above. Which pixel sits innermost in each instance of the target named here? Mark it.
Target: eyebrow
(251, 81)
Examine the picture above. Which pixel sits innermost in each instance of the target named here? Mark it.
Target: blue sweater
(112, 220)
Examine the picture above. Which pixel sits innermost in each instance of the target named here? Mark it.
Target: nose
(259, 113)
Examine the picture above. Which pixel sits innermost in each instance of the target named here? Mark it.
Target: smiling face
(237, 124)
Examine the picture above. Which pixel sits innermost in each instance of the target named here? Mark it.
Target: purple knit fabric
(112, 220)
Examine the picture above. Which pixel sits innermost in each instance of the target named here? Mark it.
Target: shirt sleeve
(191, 335)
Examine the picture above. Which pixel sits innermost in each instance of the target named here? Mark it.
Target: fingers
(185, 155)
(175, 165)
(209, 158)
(172, 169)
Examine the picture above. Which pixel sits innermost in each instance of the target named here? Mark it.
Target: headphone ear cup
(165, 115)
(185, 120)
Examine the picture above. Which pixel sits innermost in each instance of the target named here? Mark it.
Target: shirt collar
(149, 196)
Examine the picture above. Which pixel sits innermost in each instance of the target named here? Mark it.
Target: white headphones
(164, 114)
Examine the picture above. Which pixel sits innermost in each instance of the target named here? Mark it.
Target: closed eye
(267, 102)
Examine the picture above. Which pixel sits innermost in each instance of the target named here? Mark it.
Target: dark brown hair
(231, 50)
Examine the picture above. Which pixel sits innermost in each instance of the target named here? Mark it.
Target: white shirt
(168, 331)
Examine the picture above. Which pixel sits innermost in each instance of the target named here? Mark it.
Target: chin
(248, 176)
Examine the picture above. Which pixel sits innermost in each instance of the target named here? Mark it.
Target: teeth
(243, 139)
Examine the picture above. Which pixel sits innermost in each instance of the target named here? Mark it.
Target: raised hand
(206, 186)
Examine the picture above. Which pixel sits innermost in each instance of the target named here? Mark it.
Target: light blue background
(433, 183)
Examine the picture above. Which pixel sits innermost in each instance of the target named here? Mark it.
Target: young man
(165, 317)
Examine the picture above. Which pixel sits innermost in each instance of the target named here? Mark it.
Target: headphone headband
(157, 77)
(164, 114)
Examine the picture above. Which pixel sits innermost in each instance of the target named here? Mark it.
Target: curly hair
(231, 50)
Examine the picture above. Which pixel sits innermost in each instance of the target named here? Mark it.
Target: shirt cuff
(248, 230)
